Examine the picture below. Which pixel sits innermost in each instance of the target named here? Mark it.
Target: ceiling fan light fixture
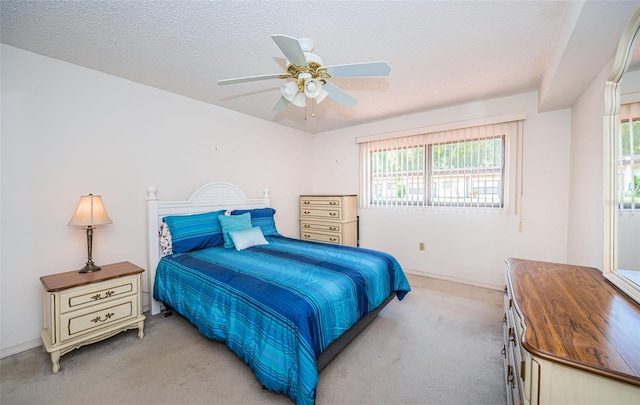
(289, 90)
(299, 100)
(312, 88)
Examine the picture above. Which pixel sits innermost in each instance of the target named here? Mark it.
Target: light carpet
(440, 345)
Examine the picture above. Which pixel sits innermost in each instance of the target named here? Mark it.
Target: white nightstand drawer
(78, 323)
(86, 296)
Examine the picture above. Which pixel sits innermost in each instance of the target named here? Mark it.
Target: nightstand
(84, 308)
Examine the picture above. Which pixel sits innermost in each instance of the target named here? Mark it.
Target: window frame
(427, 173)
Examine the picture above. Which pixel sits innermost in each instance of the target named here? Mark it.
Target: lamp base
(89, 267)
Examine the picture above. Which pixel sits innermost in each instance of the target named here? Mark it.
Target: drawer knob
(333, 239)
(307, 212)
(510, 378)
(333, 214)
(333, 203)
(106, 295)
(106, 317)
(333, 228)
(306, 202)
(306, 226)
(512, 337)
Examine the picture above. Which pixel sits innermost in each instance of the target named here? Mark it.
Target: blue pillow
(197, 231)
(233, 223)
(262, 217)
(247, 237)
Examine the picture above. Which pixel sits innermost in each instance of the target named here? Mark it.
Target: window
(629, 157)
(467, 173)
(454, 168)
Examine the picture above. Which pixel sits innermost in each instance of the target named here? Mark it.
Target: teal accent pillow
(197, 231)
(233, 223)
(262, 217)
(246, 238)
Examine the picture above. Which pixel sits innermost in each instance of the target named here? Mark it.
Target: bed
(284, 306)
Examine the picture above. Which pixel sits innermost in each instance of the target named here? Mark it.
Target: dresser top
(572, 315)
(70, 279)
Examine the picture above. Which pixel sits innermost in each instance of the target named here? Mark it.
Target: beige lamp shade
(90, 212)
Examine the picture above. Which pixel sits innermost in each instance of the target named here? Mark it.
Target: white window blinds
(464, 167)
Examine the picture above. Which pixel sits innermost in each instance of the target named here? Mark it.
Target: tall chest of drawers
(329, 219)
(80, 309)
(570, 337)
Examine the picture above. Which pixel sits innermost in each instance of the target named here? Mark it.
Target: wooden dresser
(570, 337)
(83, 308)
(329, 219)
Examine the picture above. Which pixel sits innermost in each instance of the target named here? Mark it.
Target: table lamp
(89, 214)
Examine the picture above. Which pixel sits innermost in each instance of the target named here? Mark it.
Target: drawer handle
(306, 226)
(333, 214)
(333, 239)
(333, 228)
(306, 235)
(106, 295)
(307, 212)
(306, 202)
(505, 290)
(504, 318)
(106, 317)
(333, 203)
(504, 351)
(510, 378)
(512, 337)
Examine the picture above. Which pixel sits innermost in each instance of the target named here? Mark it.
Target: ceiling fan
(309, 77)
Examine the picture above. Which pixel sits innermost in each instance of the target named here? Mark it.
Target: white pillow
(245, 238)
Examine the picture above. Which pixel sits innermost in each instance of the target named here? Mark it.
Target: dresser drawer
(320, 202)
(321, 237)
(86, 296)
(321, 213)
(321, 226)
(77, 323)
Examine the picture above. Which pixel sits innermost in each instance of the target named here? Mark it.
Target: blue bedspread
(278, 306)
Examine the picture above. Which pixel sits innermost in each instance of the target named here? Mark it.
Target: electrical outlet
(421, 246)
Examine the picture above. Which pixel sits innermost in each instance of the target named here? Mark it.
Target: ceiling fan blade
(291, 49)
(339, 95)
(281, 104)
(249, 79)
(359, 69)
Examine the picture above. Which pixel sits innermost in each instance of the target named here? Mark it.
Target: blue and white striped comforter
(278, 306)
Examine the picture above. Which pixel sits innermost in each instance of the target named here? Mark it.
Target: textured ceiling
(441, 52)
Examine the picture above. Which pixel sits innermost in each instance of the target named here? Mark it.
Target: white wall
(467, 247)
(69, 131)
(585, 237)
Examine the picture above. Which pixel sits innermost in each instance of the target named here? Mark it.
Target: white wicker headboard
(210, 197)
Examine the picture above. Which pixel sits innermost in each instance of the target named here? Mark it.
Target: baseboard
(10, 351)
(455, 279)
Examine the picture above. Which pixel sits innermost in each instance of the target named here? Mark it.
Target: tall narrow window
(629, 157)
(463, 167)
